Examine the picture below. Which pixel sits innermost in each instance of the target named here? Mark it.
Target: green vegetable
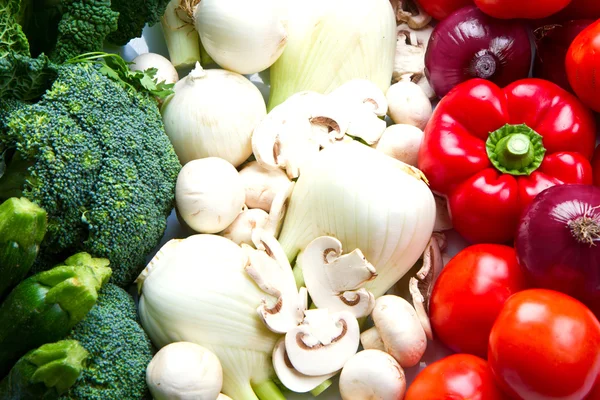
(120, 350)
(22, 229)
(44, 307)
(45, 373)
(133, 15)
(95, 156)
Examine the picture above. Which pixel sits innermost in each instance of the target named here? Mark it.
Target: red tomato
(545, 345)
(596, 167)
(440, 9)
(457, 377)
(583, 66)
(470, 293)
(595, 393)
(529, 9)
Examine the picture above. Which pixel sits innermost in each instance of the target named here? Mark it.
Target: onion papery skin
(549, 252)
(552, 44)
(469, 44)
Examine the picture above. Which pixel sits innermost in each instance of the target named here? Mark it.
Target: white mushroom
(262, 184)
(402, 142)
(240, 230)
(409, 60)
(398, 327)
(209, 194)
(372, 374)
(323, 342)
(408, 104)
(289, 376)
(184, 371)
(333, 280)
(165, 71)
(278, 209)
(410, 11)
(269, 267)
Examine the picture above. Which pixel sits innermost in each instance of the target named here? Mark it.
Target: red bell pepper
(492, 150)
(528, 9)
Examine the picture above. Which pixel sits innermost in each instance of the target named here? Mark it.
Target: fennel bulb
(196, 290)
(366, 200)
(331, 42)
(212, 114)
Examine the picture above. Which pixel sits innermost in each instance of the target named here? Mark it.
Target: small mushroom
(269, 267)
(323, 342)
(402, 142)
(209, 194)
(410, 11)
(443, 222)
(372, 374)
(240, 230)
(279, 208)
(409, 61)
(398, 327)
(289, 376)
(333, 280)
(408, 104)
(262, 184)
(182, 371)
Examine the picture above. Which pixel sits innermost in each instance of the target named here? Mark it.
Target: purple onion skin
(552, 44)
(470, 44)
(547, 248)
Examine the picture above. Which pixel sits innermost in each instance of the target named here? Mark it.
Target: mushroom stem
(370, 339)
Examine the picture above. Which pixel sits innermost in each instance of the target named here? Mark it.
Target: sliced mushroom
(289, 376)
(329, 121)
(443, 222)
(409, 61)
(240, 230)
(408, 104)
(323, 342)
(410, 11)
(333, 280)
(399, 328)
(402, 142)
(278, 209)
(269, 267)
(262, 184)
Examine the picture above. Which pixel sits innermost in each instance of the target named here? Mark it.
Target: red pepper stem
(515, 149)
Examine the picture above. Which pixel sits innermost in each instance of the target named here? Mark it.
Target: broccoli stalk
(45, 373)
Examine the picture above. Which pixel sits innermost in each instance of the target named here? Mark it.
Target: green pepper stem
(267, 390)
(515, 149)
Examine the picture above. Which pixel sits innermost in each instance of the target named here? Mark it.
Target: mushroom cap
(240, 230)
(408, 104)
(323, 342)
(184, 371)
(165, 71)
(400, 329)
(402, 142)
(262, 184)
(209, 194)
(364, 92)
(372, 374)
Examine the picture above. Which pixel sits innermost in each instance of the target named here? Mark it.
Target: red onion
(469, 44)
(552, 43)
(558, 242)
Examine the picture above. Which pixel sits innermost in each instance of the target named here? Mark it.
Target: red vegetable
(583, 66)
(558, 242)
(440, 9)
(596, 167)
(470, 155)
(579, 9)
(552, 44)
(529, 9)
(459, 376)
(469, 44)
(544, 345)
(469, 294)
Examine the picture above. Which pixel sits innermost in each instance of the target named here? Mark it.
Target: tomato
(596, 166)
(545, 345)
(595, 393)
(457, 377)
(583, 66)
(470, 293)
(529, 9)
(440, 9)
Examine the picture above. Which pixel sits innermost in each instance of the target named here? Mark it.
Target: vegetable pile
(391, 199)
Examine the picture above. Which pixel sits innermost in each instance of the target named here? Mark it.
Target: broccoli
(93, 153)
(133, 15)
(119, 350)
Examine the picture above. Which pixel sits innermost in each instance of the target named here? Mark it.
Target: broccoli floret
(95, 156)
(133, 15)
(119, 350)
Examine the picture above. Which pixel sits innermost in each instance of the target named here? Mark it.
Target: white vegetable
(212, 114)
(372, 374)
(402, 142)
(184, 371)
(240, 230)
(408, 104)
(166, 72)
(196, 290)
(209, 194)
(240, 35)
(182, 40)
(331, 42)
(262, 185)
(410, 11)
(409, 61)
(367, 201)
